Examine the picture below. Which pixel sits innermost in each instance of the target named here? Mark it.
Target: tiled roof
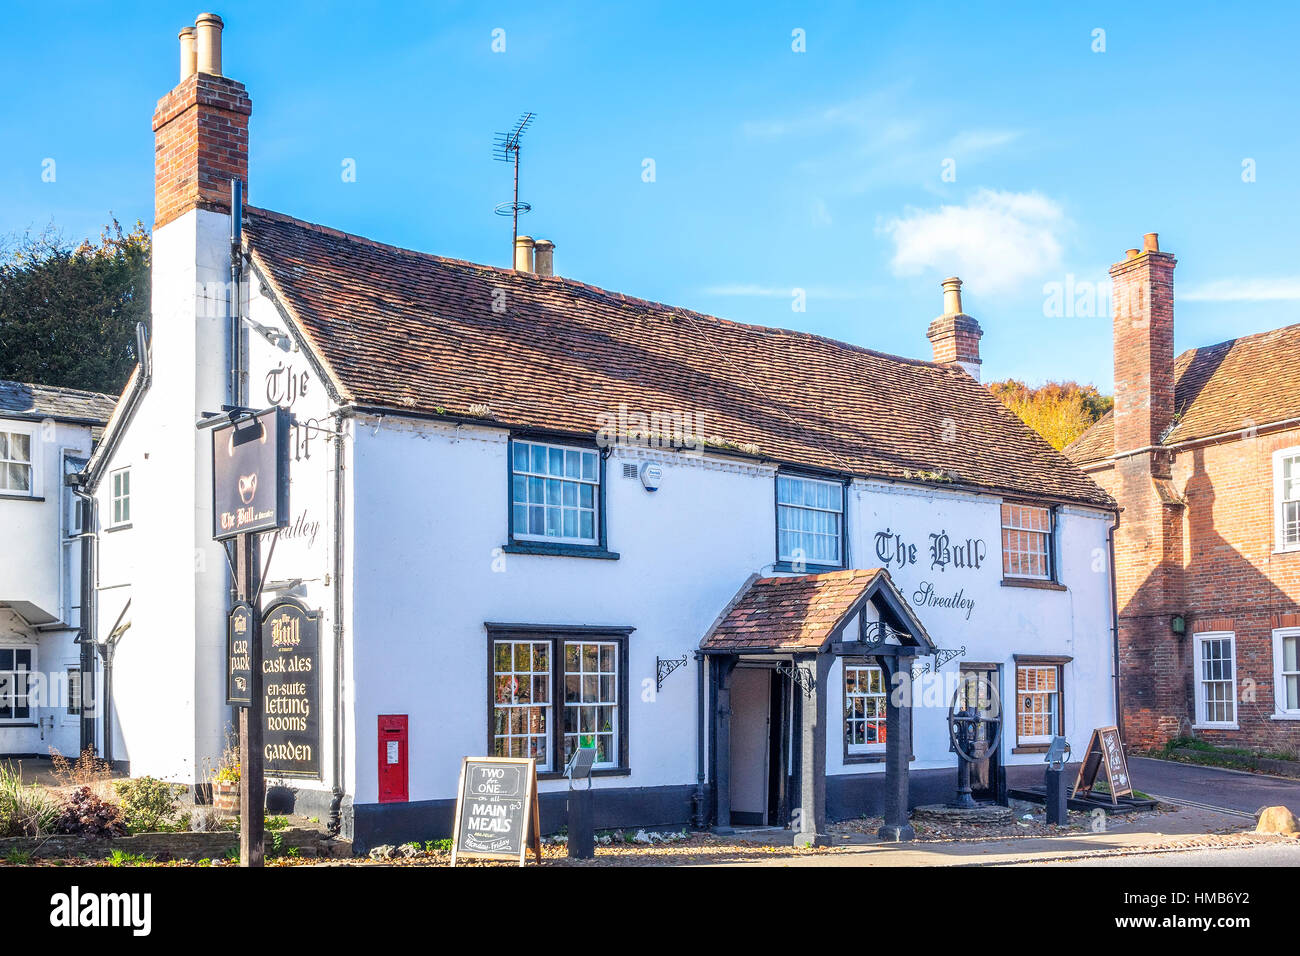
(20, 400)
(409, 331)
(1232, 386)
(790, 613)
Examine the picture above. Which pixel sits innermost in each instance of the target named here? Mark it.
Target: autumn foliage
(1059, 411)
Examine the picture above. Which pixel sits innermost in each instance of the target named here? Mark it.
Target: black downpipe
(1114, 626)
(336, 799)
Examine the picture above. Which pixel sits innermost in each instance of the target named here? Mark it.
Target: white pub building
(530, 513)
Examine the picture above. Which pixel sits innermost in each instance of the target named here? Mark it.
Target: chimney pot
(544, 257)
(524, 254)
(208, 27)
(189, 53)
(1151, 242)
(1132, 253)
(952, 296)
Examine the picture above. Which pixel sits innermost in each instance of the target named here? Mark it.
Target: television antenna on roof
(506, 149)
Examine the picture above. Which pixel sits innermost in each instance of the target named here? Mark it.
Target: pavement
(1194, 785)
(1269, 854)
(1181, 829)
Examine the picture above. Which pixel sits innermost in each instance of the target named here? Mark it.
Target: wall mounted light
(1178, 624)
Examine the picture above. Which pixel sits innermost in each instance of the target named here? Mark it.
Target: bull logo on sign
(248, 487)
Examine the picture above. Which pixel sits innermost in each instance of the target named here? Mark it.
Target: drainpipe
(336, 801)
(89, 612)
(700, 809)
(1114, 626)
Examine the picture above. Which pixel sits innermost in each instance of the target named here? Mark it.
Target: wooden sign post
(1104, 751)
(250, 495)
(496, 810)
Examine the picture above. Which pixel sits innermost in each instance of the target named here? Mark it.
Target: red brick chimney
(200, 130)
(955, 336)
(1142, 296)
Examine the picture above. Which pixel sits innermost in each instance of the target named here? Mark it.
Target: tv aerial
(506, 149)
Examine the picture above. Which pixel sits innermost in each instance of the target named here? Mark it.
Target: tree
(68, 314)
(1059, 411)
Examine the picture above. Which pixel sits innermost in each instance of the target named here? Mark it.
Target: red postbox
(393, 786)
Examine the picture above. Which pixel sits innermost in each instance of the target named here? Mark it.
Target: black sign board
(496, 809)
(250, 474)
(239, 675)
(1105, 752)
(291, 690)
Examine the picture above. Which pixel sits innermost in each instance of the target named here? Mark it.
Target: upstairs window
(809, 522)
(1286, 471)
(1026, 542)
(554, 493)
(16, 475)
(121, 502)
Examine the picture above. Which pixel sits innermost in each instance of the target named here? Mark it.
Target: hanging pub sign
(496, 810)
(239, 674)
(1105, 752)
(291, 690)
(250, 474)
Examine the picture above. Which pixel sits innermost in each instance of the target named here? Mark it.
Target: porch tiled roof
(781, 614)
(402, 330)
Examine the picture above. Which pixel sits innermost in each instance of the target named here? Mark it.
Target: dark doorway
(778, 813)
(987, 779)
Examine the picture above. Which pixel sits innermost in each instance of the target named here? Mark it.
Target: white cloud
(997, 241)
(1286, 288)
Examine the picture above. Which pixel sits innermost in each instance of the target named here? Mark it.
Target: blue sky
(774, 170)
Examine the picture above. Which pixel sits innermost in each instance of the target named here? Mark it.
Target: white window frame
(1281, 710)
(1058, 696)
(582, 674)
(114, 497)
(76, 696)
(1279, 504)
(31, 431)
(805, 560)
(529, 702)
(1049, 544)
(853, 749)
(1198, 682)
(522, 534)
(32, 716)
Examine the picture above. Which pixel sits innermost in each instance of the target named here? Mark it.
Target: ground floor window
(586, 672)
(74, 691)
(1038, 702)
(1286, 671)
(864, 708)
(16, 665)
(1216, 679)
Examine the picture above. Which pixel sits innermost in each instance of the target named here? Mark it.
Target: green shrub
(16, 857)
(148, 803)
(24, 810)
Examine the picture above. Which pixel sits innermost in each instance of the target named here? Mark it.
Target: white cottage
(530, 513)
(46, 436)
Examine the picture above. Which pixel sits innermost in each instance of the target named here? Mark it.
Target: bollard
(1057, 792)
(582, 825)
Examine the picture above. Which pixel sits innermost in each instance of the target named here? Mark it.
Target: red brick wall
(955, 338)
(1213, 562)
(200, 144)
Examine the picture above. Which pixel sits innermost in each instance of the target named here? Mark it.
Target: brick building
(1202, 452)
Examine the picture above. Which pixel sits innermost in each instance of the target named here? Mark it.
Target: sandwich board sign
(1105, 751)
(496, 810)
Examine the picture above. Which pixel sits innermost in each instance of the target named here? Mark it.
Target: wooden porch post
(898, 749)
(810, 736)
